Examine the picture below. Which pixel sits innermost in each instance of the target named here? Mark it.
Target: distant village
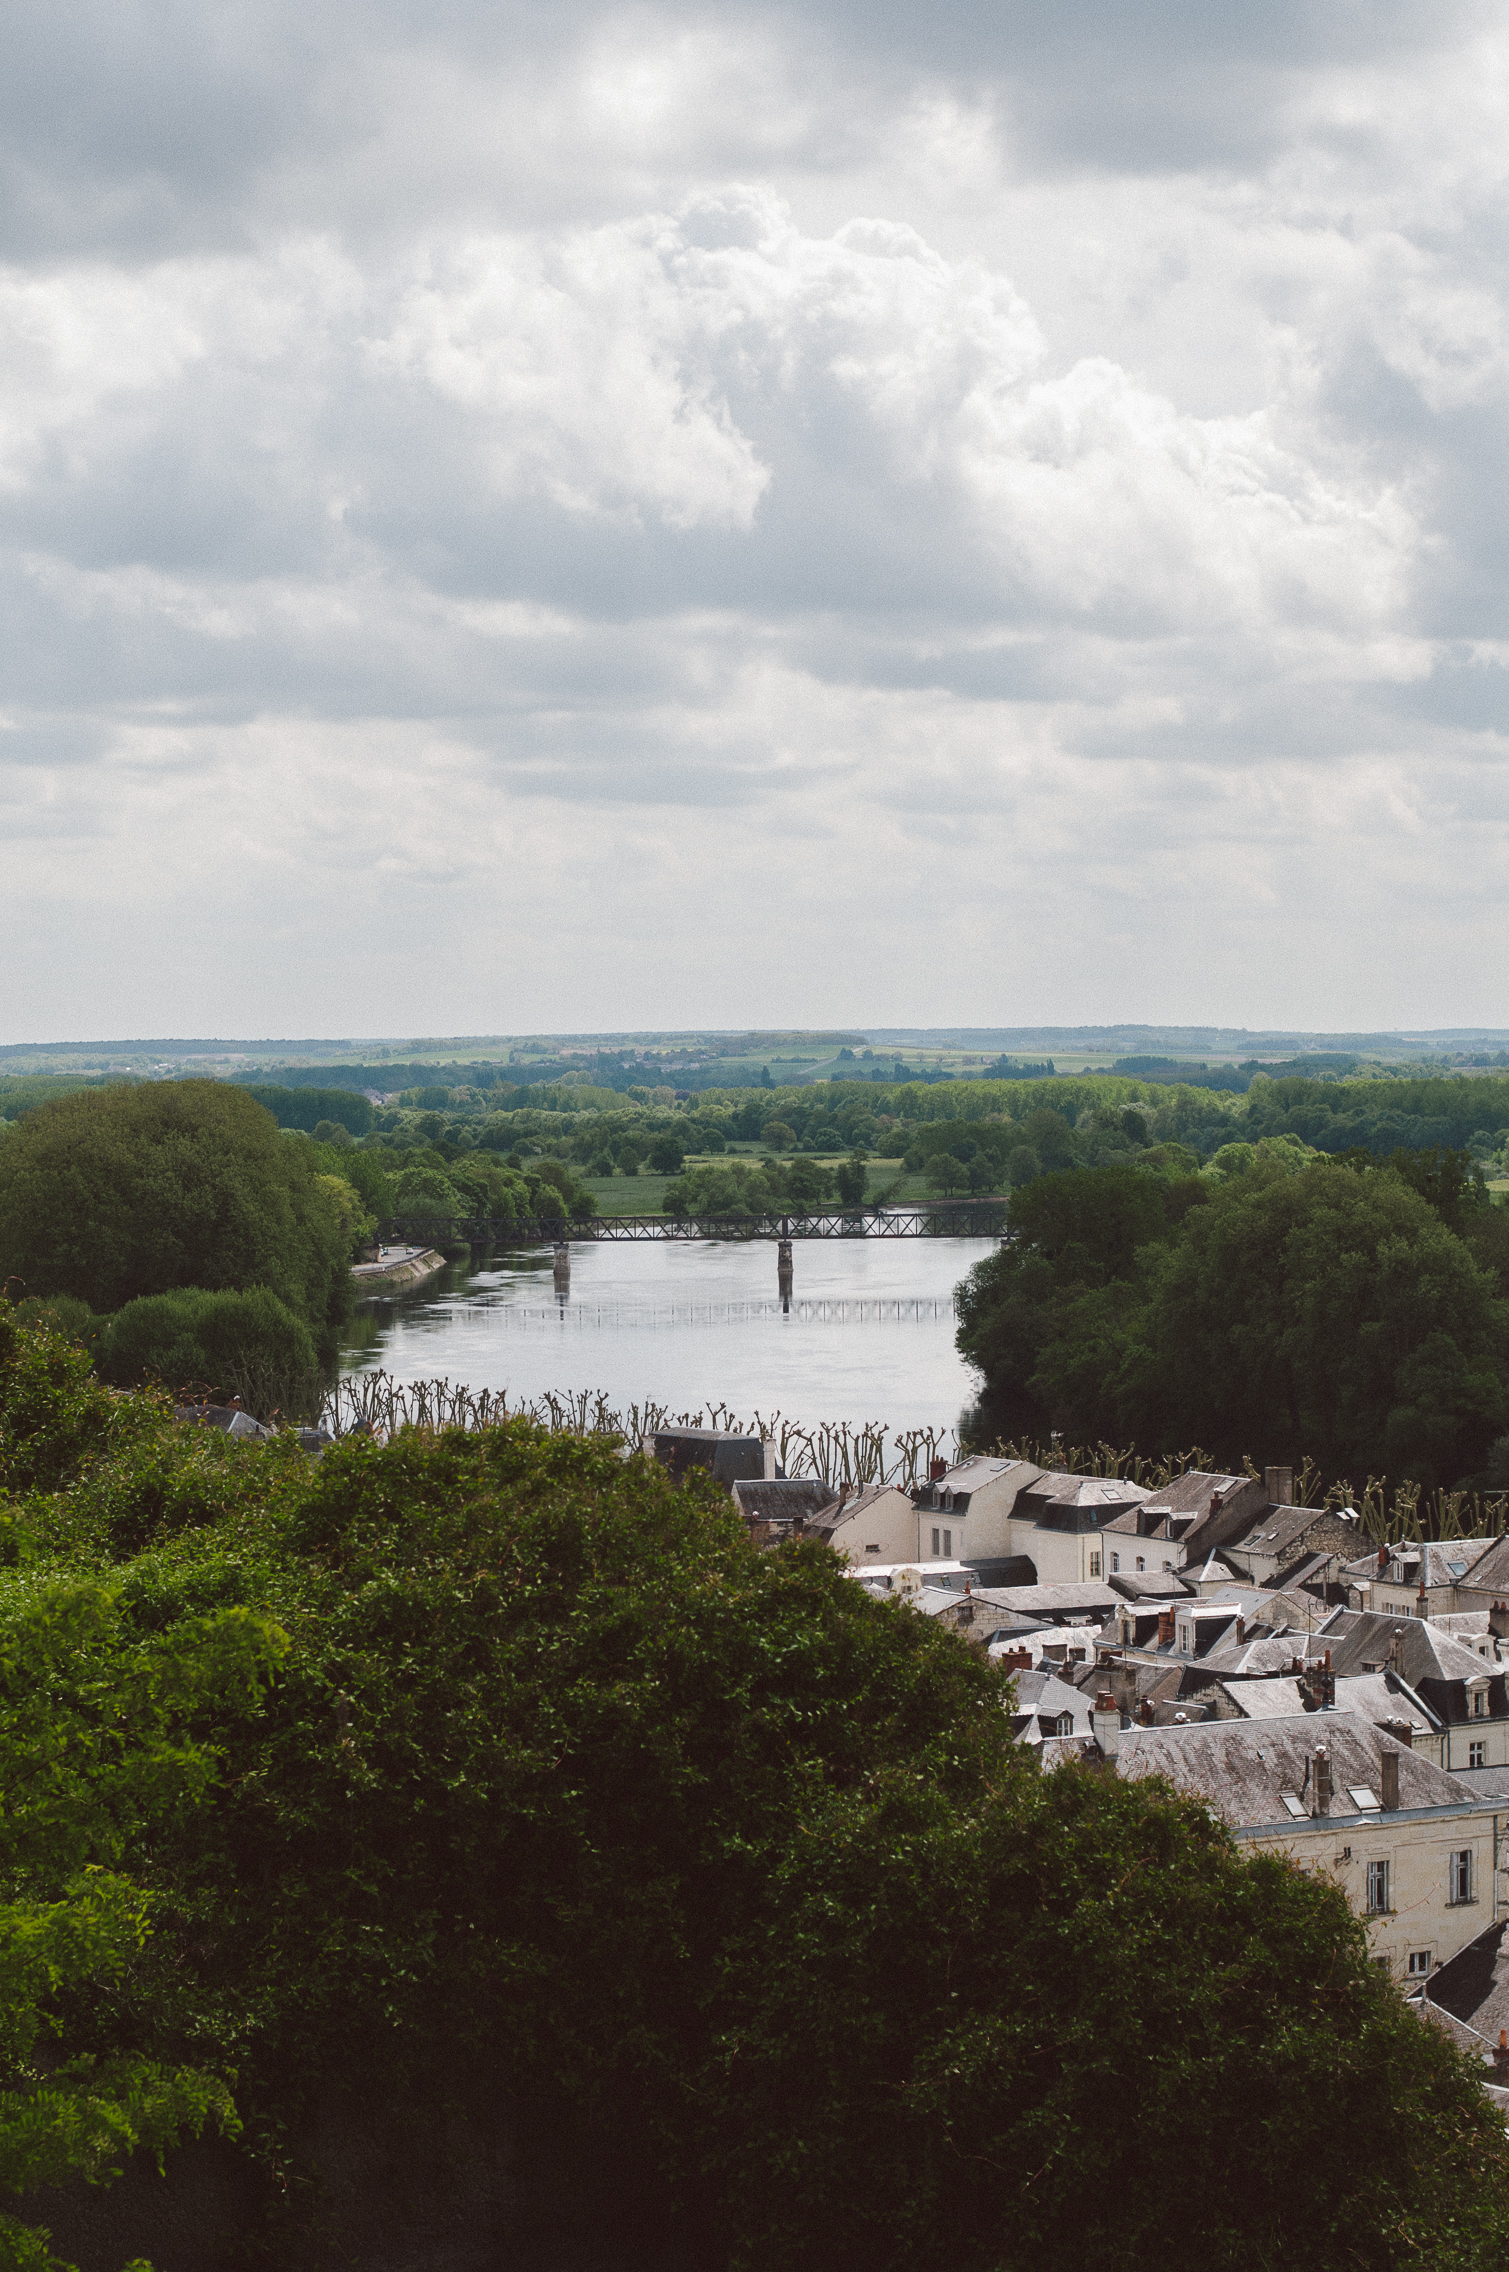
(1348, 1709)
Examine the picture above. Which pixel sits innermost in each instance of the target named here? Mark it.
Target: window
(1142, 1562)
(1419, 1963)
(1479, 1704)
(935, 1546)
(1095, 1565)
(1115, 1561)
(948, 1545)
(1477, 1755)
(1363, 1796)
(1064, 1724)
(1459, 1875)
(1377, 1888)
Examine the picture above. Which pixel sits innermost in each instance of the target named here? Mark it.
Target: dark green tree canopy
(1316, 1309)
(118, 1192)
(518, 1777)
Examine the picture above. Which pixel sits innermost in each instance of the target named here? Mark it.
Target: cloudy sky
(557, 516)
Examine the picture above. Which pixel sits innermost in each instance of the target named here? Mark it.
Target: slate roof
(1052, 1603)
(1377, 1696)
(1469, 1994)
(1058, 1501)
(1490, 1572)
(1041, 1700)
(1086, 1637)
(974, 1473)
(1279, 1528)
(1261, 1652)
(1063, 1489)
(1149, 1585)
(1358, 1638)
(1243, 1767)
(1438, 1562)
(776, 1499)
(827, 1517)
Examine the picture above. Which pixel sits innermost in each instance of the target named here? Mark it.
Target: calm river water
(869, 1335)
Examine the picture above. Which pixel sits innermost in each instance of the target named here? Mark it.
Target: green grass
(627, 1194)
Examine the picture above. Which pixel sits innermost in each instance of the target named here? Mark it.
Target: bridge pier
(783, 1269)
(563, 1271)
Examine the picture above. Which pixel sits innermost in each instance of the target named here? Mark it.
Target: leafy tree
(427, 1194)
(807, 1185)
(553, 1188)
(331, 1132)
(1022, 1164)
(851, 1178)
(1069, 1233)
(1284, 1304)
(945, 1172)
(737, 1189)
(1449, 1181)
(1330, 1310)
(248, 1345)
(310, 1108)
(567, 1800)
(667, 1154)
(777, 1135)
(118, 1192)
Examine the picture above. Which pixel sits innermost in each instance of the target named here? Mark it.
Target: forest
(473, 1832)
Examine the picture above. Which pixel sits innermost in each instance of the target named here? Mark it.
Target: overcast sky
(566, 516)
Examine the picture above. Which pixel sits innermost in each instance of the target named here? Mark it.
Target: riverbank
(397, 1266)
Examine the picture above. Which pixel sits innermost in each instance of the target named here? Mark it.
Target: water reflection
(852, 1329)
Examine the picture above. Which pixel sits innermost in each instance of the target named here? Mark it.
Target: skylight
(1294, 1803)
(1361, 1796)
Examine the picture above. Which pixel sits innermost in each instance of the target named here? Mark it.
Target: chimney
(1498, 1620)
(1322, 1800)
(1015, 1660)
(1241, 1628)
(1382, 1560)
(1501, 2057)
(1165, 1628)
(936, 1470)
(1389, 1777)
(1106, 1722)
(1396, 1651)
(1402, 1731)
(1278, 1482)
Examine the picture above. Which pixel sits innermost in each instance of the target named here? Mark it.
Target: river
(868, 1337)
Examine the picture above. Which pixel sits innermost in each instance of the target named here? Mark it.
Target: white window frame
(1418, 1964)
(1459, 1876)
(1379, 1875)
(1477, 1755)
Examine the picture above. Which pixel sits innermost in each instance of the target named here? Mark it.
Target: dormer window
(1480, 1703)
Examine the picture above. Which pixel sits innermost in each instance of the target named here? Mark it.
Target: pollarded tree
(118, 1192)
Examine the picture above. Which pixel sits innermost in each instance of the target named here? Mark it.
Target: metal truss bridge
(936, 1219)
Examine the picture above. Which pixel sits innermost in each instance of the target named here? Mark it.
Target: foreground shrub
(193, 1342)
(725, 1885)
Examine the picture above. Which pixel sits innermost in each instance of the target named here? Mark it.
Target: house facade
(1417, 1854)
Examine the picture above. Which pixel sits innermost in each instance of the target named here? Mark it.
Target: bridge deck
(940, 1219)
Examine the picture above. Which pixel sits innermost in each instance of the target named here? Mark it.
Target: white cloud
(805, 448)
